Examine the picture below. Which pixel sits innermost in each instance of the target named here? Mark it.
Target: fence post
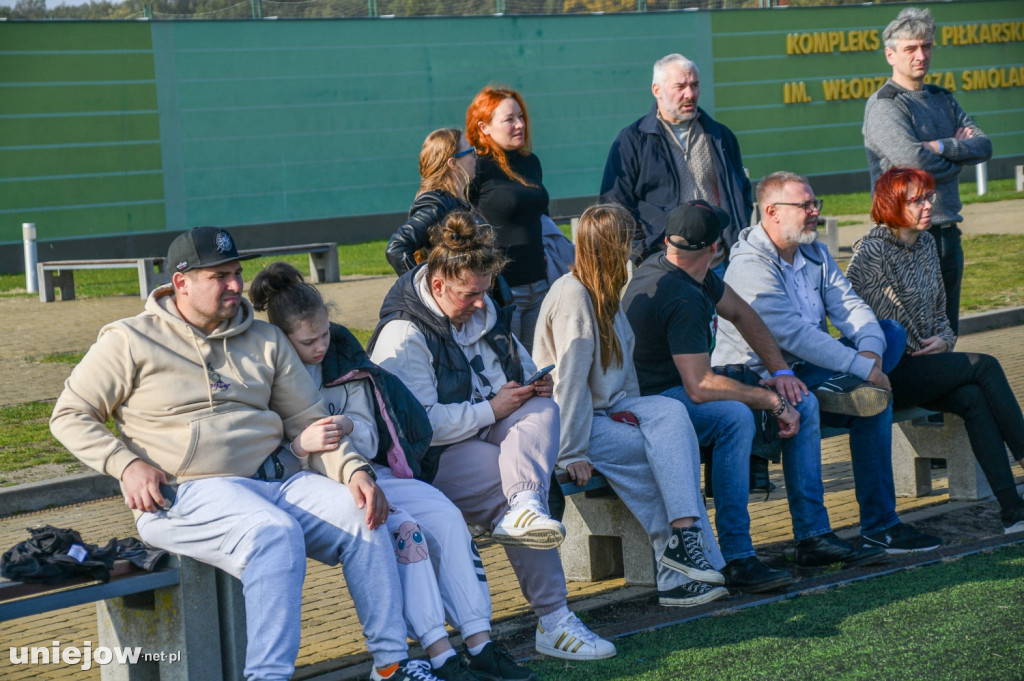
(981, 172)
(28, 235)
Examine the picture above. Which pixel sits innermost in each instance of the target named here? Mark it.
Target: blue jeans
(870, 439)
(728, 426)
(527, 299)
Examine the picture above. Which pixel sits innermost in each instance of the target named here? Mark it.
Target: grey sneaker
(690, 594)
(685, 553)
(847, 394)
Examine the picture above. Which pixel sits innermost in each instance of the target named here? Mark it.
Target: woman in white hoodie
(495, 439)
(644, 446)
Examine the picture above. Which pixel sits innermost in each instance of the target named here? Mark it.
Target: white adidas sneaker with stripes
(527, 524)
(571, 640)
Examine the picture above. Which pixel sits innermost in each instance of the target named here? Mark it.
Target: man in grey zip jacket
(796, 287)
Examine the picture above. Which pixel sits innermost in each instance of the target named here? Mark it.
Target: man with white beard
(795, 286)
(677, 153)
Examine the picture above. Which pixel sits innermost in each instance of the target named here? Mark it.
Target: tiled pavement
(331, 635)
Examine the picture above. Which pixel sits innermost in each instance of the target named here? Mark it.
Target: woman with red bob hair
(508, 192)
(895, 269)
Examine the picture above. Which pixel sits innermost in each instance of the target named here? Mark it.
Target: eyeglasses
(920, 200)
(808, 206)
(465, 152)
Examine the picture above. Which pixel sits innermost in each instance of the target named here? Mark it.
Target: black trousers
(951, 263)
(974, 387)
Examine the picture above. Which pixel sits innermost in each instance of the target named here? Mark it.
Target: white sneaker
(527, 524)
(571, 640)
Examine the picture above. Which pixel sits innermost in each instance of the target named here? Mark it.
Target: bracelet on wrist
(783, 403)
(783, 372)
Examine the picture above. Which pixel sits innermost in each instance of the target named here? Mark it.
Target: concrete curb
(993, 319)
(75, 489)
(42, 494)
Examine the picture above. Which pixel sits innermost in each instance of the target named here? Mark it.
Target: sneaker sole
(713, 595)
(863, 402)
(532, 539)
(706, 576)
(1016, 527)
(566, 655)
(805, 570)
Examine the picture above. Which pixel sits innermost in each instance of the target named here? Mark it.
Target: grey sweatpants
(482, 473)
(261, 532)
(655, 470)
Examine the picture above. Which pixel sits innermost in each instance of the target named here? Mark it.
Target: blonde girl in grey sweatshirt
(644, 446)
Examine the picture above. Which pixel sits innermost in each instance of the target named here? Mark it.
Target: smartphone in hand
(541, 373)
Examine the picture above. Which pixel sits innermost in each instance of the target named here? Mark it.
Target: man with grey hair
(676, 153)
(910, 123)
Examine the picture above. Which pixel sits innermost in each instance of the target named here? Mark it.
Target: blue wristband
(783, 372)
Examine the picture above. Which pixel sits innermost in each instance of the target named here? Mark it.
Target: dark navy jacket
(641, 175)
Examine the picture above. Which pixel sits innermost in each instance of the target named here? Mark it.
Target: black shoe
(750, 575)
(690, 594)
(901, 538)
(495, 664)
(847, 394)
(454, 669)
(828, 549)
(1014, 520)
(407, 670)
(685, 553)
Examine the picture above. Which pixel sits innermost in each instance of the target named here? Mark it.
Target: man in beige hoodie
(202, 394)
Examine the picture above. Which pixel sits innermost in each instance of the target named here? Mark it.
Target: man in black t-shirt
(673, 303)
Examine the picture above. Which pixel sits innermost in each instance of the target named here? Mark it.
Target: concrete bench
(604, 539)
(323, 259)
(60, 274)
(187, 620)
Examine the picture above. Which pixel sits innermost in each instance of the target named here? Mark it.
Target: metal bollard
(28, 235)
(981, 171)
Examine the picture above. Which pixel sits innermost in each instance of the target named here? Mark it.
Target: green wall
(79, 130)
(143, 128)
(823, 136)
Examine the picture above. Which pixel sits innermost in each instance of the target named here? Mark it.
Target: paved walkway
(331, 637)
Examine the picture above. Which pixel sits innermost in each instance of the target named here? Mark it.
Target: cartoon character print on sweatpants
(410, 546)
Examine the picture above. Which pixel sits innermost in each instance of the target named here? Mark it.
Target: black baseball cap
(203, 247)
(698, 222)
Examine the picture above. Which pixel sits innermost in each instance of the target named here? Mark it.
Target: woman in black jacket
(447, 165)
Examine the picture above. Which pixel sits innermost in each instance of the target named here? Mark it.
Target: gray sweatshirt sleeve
(889, 133)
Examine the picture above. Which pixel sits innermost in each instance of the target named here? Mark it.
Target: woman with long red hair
(895, 269)
(508, 192)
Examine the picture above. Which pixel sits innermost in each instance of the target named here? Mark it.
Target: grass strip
(25, 438)
(959, 619)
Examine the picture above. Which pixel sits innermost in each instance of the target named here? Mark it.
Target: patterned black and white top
(903, 283)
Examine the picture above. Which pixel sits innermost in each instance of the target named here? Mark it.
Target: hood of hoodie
(754, 242)
(161, 303)
(413, 297)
